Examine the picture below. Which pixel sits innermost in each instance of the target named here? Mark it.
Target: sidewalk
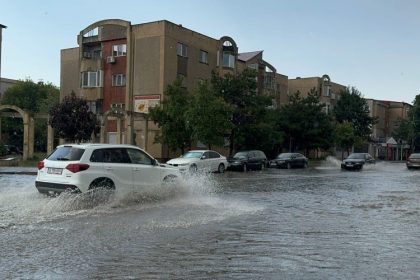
(18, 170)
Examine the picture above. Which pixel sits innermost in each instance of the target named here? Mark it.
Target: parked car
(356, 161)
(413, 161)
(12, 150)
(80, 168)
(247, 160)
(202, 160)
(291, 160)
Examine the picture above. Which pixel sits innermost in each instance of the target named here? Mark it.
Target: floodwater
(318, 223)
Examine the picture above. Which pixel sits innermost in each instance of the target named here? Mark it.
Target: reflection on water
(315, 223)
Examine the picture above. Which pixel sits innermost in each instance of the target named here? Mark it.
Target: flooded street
(318, 223)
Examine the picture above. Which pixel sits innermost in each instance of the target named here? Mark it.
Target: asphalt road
(318, 223)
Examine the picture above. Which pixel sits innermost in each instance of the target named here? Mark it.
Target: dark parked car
(290, 160)
(413, 161)
(356, 161)
(12, 150)
(247, 160)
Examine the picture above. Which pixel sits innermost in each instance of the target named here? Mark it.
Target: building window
(228, 60)
(253, 66)
(93, 106)
(119, 50)
(91, 33)
(181, 50)
(118, 80)
(92, 79)
(204, 57)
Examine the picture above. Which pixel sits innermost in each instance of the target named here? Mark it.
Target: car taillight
(77, 167)
(40, 165)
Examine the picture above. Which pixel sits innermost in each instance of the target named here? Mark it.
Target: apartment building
(122, 70)
(329, 91)
(269, 82)
(388, 115)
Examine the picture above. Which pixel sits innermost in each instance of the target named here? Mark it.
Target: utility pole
(1, 32)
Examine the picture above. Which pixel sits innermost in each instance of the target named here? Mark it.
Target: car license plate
(56, 171)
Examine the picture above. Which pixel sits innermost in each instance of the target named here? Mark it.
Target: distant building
(388, 114)
(269, 82)
(5, 84)
(328, 91)
(123, 70)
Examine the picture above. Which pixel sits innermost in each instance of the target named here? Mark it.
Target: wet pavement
(318, 223)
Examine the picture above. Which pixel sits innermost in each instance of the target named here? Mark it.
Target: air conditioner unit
(110, 59)
(87, 55)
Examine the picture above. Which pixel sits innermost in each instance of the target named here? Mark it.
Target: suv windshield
(356, 156)
(66, 153)
(241, 155)
(285, 155)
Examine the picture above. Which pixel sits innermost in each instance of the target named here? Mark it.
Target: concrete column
(50, 139)
(118, 120)
(102, 134)
(146, 132)
(129, 129)
(31, 137)
(25, 136)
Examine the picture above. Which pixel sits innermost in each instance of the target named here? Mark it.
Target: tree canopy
(353, 108)
(248, 108)
(73, 120)
(170, 116)
(409, 129)
(34, 98)
(208, 116)
(304, 123)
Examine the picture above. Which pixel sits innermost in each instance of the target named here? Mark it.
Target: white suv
(84, 167)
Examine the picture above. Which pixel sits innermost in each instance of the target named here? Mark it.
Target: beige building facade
(388, 114)
(328, 90)
(122, 70)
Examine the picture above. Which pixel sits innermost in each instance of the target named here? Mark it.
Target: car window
(139, 157)
(214, 154)
(284, 155)
(261, 154)
(241, 155)
(69, 153)
(356, 156)
(206, 155)
(113, 155)
(416, 156)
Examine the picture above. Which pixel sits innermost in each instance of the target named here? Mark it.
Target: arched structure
(29, 129)
(119, 115)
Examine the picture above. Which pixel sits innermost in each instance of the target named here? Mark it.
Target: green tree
(73, 120)
(345, 137)
(409, 129)
(34, 98)
(170, 116)
(353, 108)
(208, 116)
(305, 124)
(248, 108)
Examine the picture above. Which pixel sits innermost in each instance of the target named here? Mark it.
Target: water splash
(330, 163)
(21, 204)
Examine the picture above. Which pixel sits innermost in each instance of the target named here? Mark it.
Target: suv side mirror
(155, 162)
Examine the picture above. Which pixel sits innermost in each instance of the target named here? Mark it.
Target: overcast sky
(373, 45)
